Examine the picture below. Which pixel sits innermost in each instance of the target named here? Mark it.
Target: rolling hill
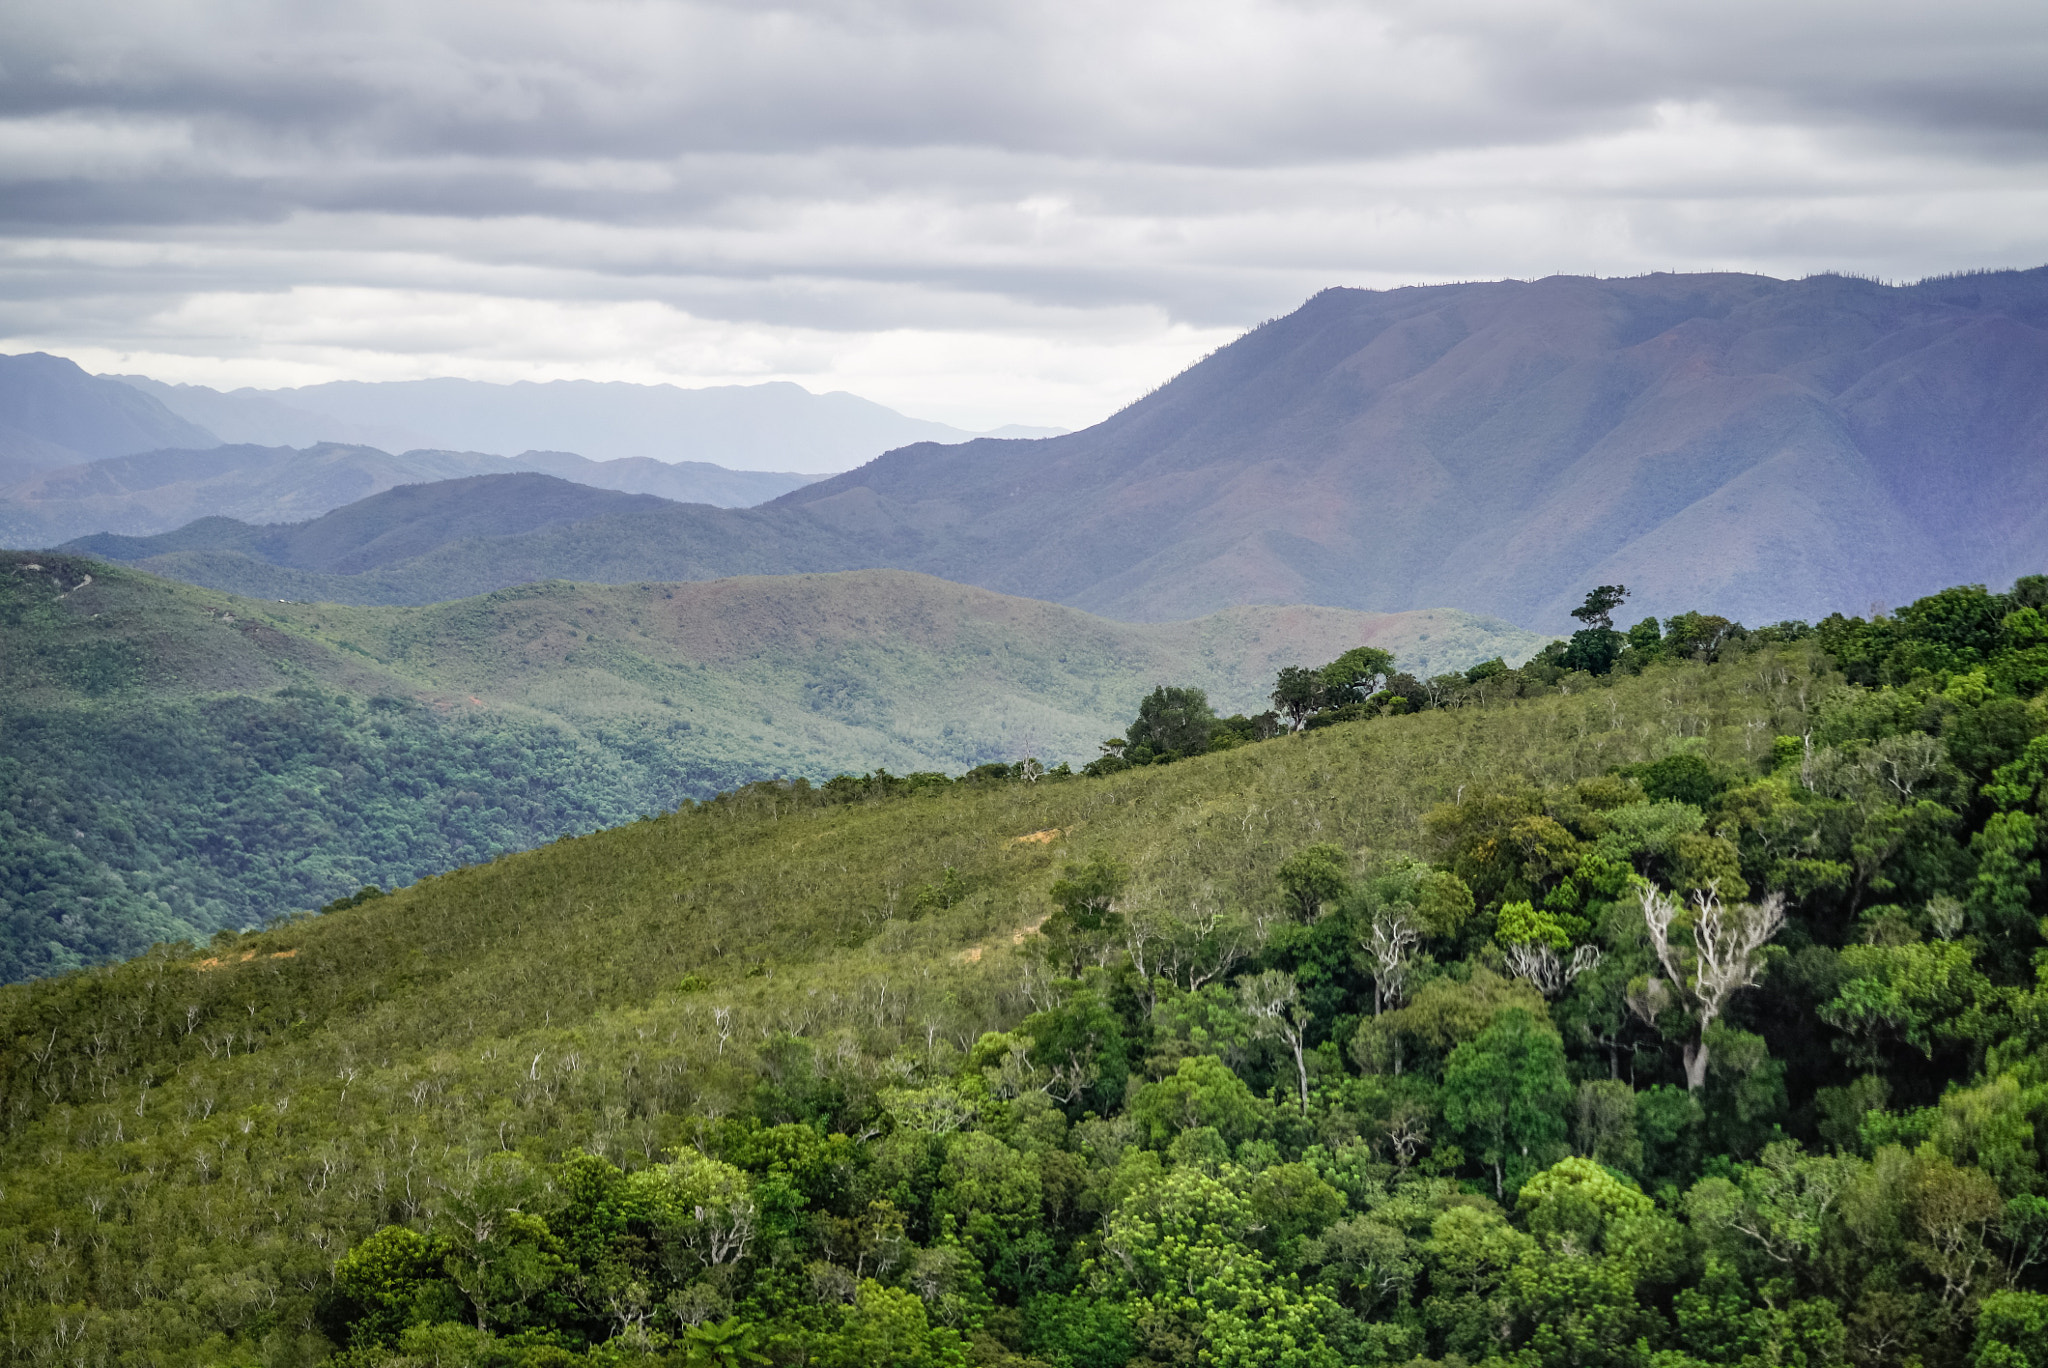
(177, 760)
(1762, 445)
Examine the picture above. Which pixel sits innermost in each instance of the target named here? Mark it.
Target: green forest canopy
(1688, 1013)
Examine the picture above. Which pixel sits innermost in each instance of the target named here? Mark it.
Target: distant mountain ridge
(776, 425)
(157, 491)
(1765, 446)
(53, 414)
(1760, 445)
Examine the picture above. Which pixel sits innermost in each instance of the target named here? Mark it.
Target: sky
(983, 213)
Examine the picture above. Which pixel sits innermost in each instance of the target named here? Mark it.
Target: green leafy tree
(1357, 673)
(378, 1283)
(1314, 877)
(2012, 1331)
(1086, 925)
(1172, 720)
(1202, 1091)
(1298, 692)
(730, 1343)
(1507, 1093)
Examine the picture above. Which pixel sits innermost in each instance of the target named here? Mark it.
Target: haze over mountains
(772, 426)
(1753, 446)
(81, 453)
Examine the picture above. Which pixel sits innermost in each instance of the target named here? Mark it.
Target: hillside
(1772, 447)
(154, 492)
(1281, 1076)
(177, 760)
(54, 414)
(773, 426)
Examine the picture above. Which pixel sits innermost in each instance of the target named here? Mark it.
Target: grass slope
(349, 1069)
(177, 760)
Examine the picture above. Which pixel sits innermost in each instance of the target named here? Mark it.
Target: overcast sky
(978, 211)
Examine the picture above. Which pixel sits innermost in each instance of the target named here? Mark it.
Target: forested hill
(174, 760)
(1680, 1015)
(1772, 448)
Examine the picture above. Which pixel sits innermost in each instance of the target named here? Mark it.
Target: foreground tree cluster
(1736, 1055)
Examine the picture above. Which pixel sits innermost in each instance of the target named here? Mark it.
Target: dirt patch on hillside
(973, 953)
(219, 963)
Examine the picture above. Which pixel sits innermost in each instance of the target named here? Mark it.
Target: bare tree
(1550, 972)
(1201, 946)
(1389, 944)
(1899, 764)
(1273, 1002)
(1724, 956)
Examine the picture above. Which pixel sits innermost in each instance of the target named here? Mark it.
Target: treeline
(1693, 1061)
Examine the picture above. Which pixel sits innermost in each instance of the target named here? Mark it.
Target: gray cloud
(746, 190)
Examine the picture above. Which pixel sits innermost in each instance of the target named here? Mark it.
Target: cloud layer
(981, 213)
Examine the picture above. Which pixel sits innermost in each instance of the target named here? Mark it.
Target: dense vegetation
(175, 761)
(1689, 1016)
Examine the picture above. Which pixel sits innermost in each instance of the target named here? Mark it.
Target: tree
(1357, 673)
(1298, 692)
(2012, 1331)
(377, 1281)
(1174, 720)
(730, 1343)
(1726, 954)
(1273, 1001)
(1086, 924)
(1597, 612)
(1313, 877)
(1201, 1091)
(1508, 1093)
(1595, 647)
(1388, 943)
(1539, 948)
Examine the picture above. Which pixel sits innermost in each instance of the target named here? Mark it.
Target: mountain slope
(1762, 445)
(1766, 446)
(774, 426)
(54, 414)
(174, 760)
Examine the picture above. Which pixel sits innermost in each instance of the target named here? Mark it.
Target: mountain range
(772, 426)
(1766, 447)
